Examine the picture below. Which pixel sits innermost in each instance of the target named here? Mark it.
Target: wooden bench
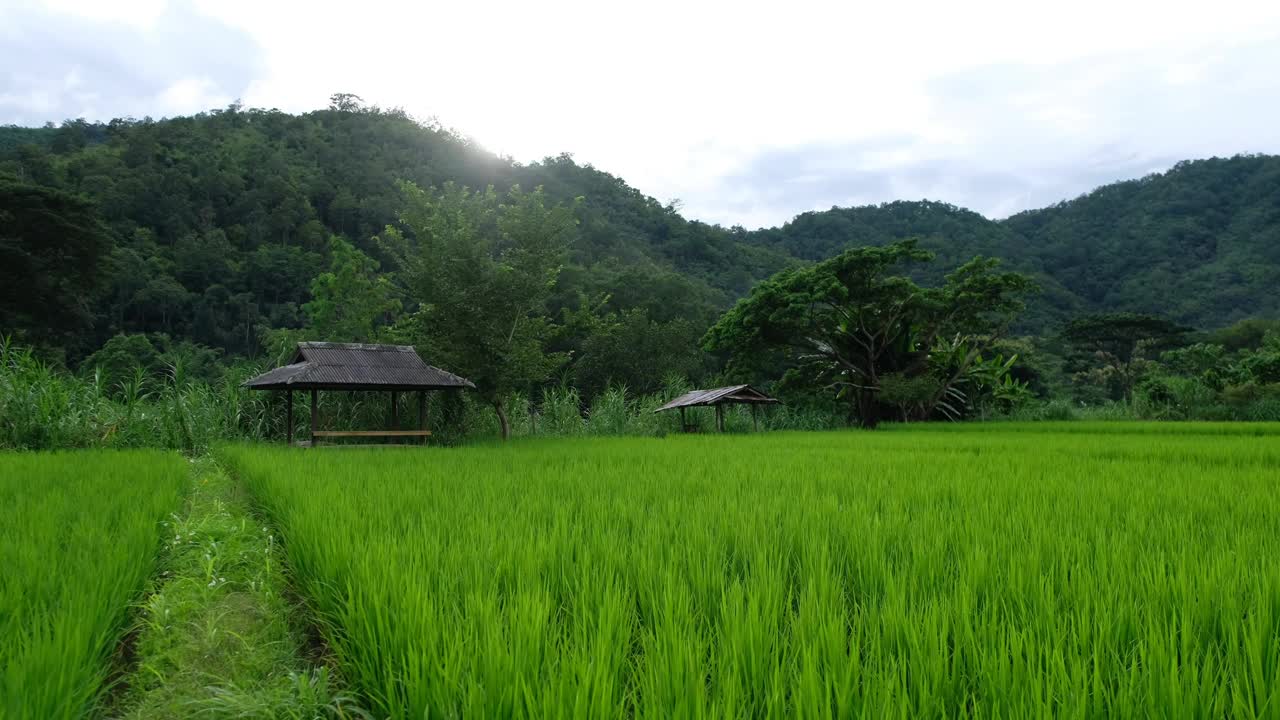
(424, 434)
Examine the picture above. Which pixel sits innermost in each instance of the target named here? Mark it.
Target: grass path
(216, 637)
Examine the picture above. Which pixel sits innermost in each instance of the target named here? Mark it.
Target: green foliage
(126, 362)
(218, 223)
(215, 231)
(350, 301)
(78, 538)
(480, 271)
(626, 348)
(50, 246)
(846, 323)
(910, 394)
(1115, 350)
(1075, 570)
(1247, 334)
(1211, 382)
(42, 407)
(1196, 244)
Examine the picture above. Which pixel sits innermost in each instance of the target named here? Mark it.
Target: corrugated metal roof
(336, 366)
(715, 396)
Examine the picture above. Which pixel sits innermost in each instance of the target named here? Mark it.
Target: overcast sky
(747, 113)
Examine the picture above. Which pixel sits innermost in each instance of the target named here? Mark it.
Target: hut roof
(351, 366)
(717, 396)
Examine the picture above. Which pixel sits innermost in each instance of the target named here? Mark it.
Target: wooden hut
(718, 398)
(347, 366)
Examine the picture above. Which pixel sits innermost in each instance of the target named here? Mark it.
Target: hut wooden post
(422, 413)
(720, 418)
(395, 414)
(315, 416)
(684, 427)
(755, 424)
(288, 423)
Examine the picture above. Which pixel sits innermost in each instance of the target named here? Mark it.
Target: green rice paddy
(1000, 570)
(986, 571)
(79, 533)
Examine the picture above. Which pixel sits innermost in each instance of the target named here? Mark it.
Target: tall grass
(78, 536)
(1001, 573)
(42, 407)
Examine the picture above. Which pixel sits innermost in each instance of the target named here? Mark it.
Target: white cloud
(77, 59)
(993, 104)
(191, 95)
(137, 13)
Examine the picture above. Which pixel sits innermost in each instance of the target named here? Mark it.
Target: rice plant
(1012, 571)
(78, 537)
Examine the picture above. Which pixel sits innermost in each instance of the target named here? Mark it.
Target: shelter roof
(721, 395)
(355, 366)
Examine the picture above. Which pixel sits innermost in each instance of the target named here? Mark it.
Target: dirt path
(219, 635)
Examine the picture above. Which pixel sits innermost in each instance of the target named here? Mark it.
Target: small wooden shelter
(348, 366)
(718, 398)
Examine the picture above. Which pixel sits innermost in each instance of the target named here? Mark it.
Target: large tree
(849, 323)
(1117, 348)
(480, 268)
(51, 243)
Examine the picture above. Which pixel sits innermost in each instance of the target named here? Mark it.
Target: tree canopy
(351, 300)
(51, 244)
(479, 269)
(848, 324)
(1115, 348)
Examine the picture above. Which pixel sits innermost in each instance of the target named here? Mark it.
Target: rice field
(78, 538)
(989, 571)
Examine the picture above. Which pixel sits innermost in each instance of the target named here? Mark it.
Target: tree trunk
(868, 410)
(503, 422)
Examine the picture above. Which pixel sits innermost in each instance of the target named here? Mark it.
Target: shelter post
(315, 416)
(422, 409)
(755, 424)
(288, 423)
(395, 414)
(720, 417)
(684, 427)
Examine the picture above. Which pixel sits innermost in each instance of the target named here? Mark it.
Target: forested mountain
(215, 225)
(211, 229)
(1199, 243)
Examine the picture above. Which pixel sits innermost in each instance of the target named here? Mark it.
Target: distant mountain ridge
(1199, 243)
(219, 221)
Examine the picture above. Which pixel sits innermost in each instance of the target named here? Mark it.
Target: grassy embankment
(219, 635)
(93, 625)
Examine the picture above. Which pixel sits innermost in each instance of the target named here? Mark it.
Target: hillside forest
(148, 266)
